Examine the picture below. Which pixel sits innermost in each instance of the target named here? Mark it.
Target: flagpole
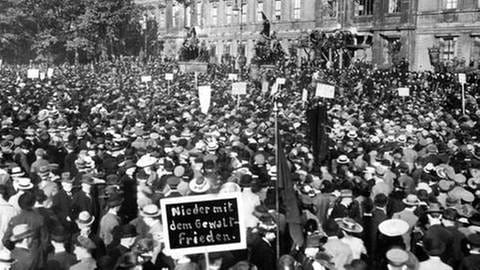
(277, 163)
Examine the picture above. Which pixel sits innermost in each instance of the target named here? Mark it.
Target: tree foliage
(59, 30)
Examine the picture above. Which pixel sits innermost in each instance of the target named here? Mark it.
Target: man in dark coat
(263, 251)
(127, 234)
(59, 258)
(379, 214)
(62, 201)
(25, 258)
(85, 199)
(472, 261)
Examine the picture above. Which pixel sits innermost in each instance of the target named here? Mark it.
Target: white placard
(264, 87)
(33, 73)
(146, 78)
(325, 90)
(42, 76)
(1, 62)
(232, 76)
(304, 95)
(239, 88)
(169, 76)
(204, 94)
(50, 72)
(280, 80)
(404, 91)
(274, 89)
(462, 78)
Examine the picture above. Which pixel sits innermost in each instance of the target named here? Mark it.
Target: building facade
(385, 31)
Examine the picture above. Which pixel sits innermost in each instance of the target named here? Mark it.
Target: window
(364, 7)
(228, 11)
(451, 4)
(244, 12)
(447, 48)
(259, 11)
(297, 4)
(198, 8)
(214, 15)
(174, 16)
(226, 48)
(278, 10)
(161, 23)
(394, 6)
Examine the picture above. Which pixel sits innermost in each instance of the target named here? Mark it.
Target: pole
(207, 261)
(168, 87)
(146, 28)
(277, 163)
(463, 98)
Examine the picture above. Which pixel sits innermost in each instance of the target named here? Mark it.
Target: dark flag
(266, 26)
(288, 196)
(317, 121)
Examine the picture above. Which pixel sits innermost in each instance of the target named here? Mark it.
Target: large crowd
(88, 154)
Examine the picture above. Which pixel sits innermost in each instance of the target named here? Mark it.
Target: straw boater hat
(146, 161)
(20, 232)
(349, 225)
(16, 172)
(343, 159)
(85, 219)
(24, 183)
(411, 200)
(393, 227)
(199, 185)
(397, 257)
(150, 210)
(6, 257)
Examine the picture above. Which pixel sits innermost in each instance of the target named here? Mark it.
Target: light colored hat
(349, 225)
(343, 159)
(393, 227)
(146, 161)
(85, 219)
(397, 256)
(150, 210)
(20, 232)
(411, 200)
(24, 183)
(6, 257)
(199, 185)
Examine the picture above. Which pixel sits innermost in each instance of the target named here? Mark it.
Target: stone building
(385, 31)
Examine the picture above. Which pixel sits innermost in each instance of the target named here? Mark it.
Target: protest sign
(462, 78)
(42, 76)
(304, 95)
(239, 88)
(280, 80)
(33, 73)
(146, 78)
(50, 72)
(264, 87)
(169, 76)
(404, 91)
(203, 223)
(204, 94)
(325, 90)
(232, 76)
(274, 89)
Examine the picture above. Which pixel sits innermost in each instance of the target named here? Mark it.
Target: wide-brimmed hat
(411, 200)
(343, 159)
(20, 232)
(349, 225)
(85, 219)
(397, 256)
(6, 257)
(150, 210)
(128, 231)
(393, 227)
(114, 200)
(24, 183)
(146, 161)
(199, 185)
(16, 172)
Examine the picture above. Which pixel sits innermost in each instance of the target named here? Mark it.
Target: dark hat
(127, 231)
(113, 179)
(316, 240)
(65, 177)
(114, 200)
(85, 242)
(450, 214)
(433, 246)
(27, 200)
(475, 219)
(173, 181)
(474, 239)
(87, 179)
(435, 208)
(58, 234)
(331, 227)
(127, 260)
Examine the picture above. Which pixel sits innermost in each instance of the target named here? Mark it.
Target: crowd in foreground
(88, 154)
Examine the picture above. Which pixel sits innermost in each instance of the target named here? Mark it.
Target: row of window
(365, 7)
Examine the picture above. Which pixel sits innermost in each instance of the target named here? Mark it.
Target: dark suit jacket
(378, 216)
(62, 206)
(81, 202)
(24, 258)
(60, 261)
(263, 256)
(471, 262)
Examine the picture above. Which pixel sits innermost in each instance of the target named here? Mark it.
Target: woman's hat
(20, 232)
(393, 227)
(150, 210)
(349, 225)
(85, 219)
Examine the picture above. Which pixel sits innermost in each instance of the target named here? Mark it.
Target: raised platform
(199, 67)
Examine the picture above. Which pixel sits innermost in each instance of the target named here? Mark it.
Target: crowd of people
(88, 153)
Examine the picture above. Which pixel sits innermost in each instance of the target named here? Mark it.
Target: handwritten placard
(404, 91)
(232, 76)
(146, 79)
(203, 223)
(239, 88)
(169, 76)
(264, 87)
(33, 73)
(50, 72)
(462, 78)
(280, 80)
(204, 95)
(325, 90)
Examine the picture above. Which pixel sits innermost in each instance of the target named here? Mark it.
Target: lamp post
(239, 7)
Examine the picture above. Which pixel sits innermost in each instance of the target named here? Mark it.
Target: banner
(325, 90)
(169, 76)
(203, 223)
(33, 73)
(239, 88)
(146, 79)
(404, 91)
(232, 76)
(204, 94)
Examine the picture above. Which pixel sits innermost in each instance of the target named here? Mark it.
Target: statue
(191, 50)
(268, 50)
